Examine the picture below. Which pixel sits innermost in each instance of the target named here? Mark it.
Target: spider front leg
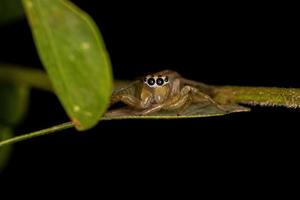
(153, 109)
(187, 96)
(181, 100)
(200, 96)
(131, 101)
(175, 96)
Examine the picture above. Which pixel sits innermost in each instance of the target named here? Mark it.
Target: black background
(255, 45)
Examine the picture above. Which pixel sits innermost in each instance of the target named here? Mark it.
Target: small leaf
(10, 10)
(13, 103)
(5, 151)
(194, 111)
(73, 53)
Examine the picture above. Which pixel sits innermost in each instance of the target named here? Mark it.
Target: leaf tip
(77, 124)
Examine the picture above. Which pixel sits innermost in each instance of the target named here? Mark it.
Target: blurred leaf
(5, 151)
(33, 78)
(73, 53)
(10, 10)
(13, 103)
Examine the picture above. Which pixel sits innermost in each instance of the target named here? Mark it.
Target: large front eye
(159, 81)
(151, 81)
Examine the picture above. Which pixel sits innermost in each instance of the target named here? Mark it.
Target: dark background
(255, 45)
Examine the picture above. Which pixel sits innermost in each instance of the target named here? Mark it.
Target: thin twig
(37, 133)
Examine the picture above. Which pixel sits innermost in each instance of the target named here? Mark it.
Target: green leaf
(193, 111)
(5, 151)
(73, 53)
(10, 10)
(13, 103)
(33, 78)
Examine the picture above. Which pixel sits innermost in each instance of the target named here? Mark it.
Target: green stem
(25, 76)
(264, 96)
(37, 133)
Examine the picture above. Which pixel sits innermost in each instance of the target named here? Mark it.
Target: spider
(164, 90)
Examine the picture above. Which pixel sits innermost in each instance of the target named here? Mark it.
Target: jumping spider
(165, 90)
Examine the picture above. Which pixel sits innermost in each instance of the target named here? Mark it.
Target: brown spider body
(165, 90)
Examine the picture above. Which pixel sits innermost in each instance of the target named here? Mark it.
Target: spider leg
(118, 112)
(131, 101)
(153, 109)
(181, 101)
(187, 102)
(175, 90)
(187, 96)
(200, 96)
(176, 102)
(173, 103)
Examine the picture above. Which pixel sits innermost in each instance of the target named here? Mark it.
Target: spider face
(154, 81)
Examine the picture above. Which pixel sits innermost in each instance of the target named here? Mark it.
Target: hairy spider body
(165, 90)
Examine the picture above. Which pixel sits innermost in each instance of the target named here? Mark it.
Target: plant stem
(264, 96)
(37, 133)
(26, 76)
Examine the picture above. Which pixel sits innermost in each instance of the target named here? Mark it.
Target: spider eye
(166, 79)
(159, 81)
(151, 81)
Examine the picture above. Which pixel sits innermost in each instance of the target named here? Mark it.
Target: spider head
(159, 84)
(154, 81)
(160, 79)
